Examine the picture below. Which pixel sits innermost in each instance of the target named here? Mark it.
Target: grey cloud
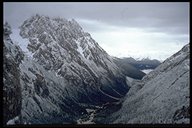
(165, 17)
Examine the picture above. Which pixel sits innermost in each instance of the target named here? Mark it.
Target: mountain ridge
(141, 64)
(67, 72)
(162, 96)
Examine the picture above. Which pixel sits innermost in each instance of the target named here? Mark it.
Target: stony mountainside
(12, 56)
(62, 46)
(64, 72)
(162, 96)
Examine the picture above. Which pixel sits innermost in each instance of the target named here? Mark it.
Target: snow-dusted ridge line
(66, 70)
(163, 96)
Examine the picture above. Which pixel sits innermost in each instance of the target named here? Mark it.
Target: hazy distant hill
(128, 69)
(145, 63)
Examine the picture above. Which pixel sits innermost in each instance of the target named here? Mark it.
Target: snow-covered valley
(55, 73)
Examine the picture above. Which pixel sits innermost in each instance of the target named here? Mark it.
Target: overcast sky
(154, 30)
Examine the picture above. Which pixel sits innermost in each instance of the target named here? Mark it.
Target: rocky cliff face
(162, 96)
(67, 72)
(63, 47)
(12, 57)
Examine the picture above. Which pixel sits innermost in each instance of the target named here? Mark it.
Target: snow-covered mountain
(12, 56)
(63, 71)
(162, 96)
(55, 73)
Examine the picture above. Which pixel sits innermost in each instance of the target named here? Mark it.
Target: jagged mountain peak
(63, 39)
(68, 71)
(53, 23)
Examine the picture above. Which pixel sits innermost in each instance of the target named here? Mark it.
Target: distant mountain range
(128, 69)
(142, 64)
